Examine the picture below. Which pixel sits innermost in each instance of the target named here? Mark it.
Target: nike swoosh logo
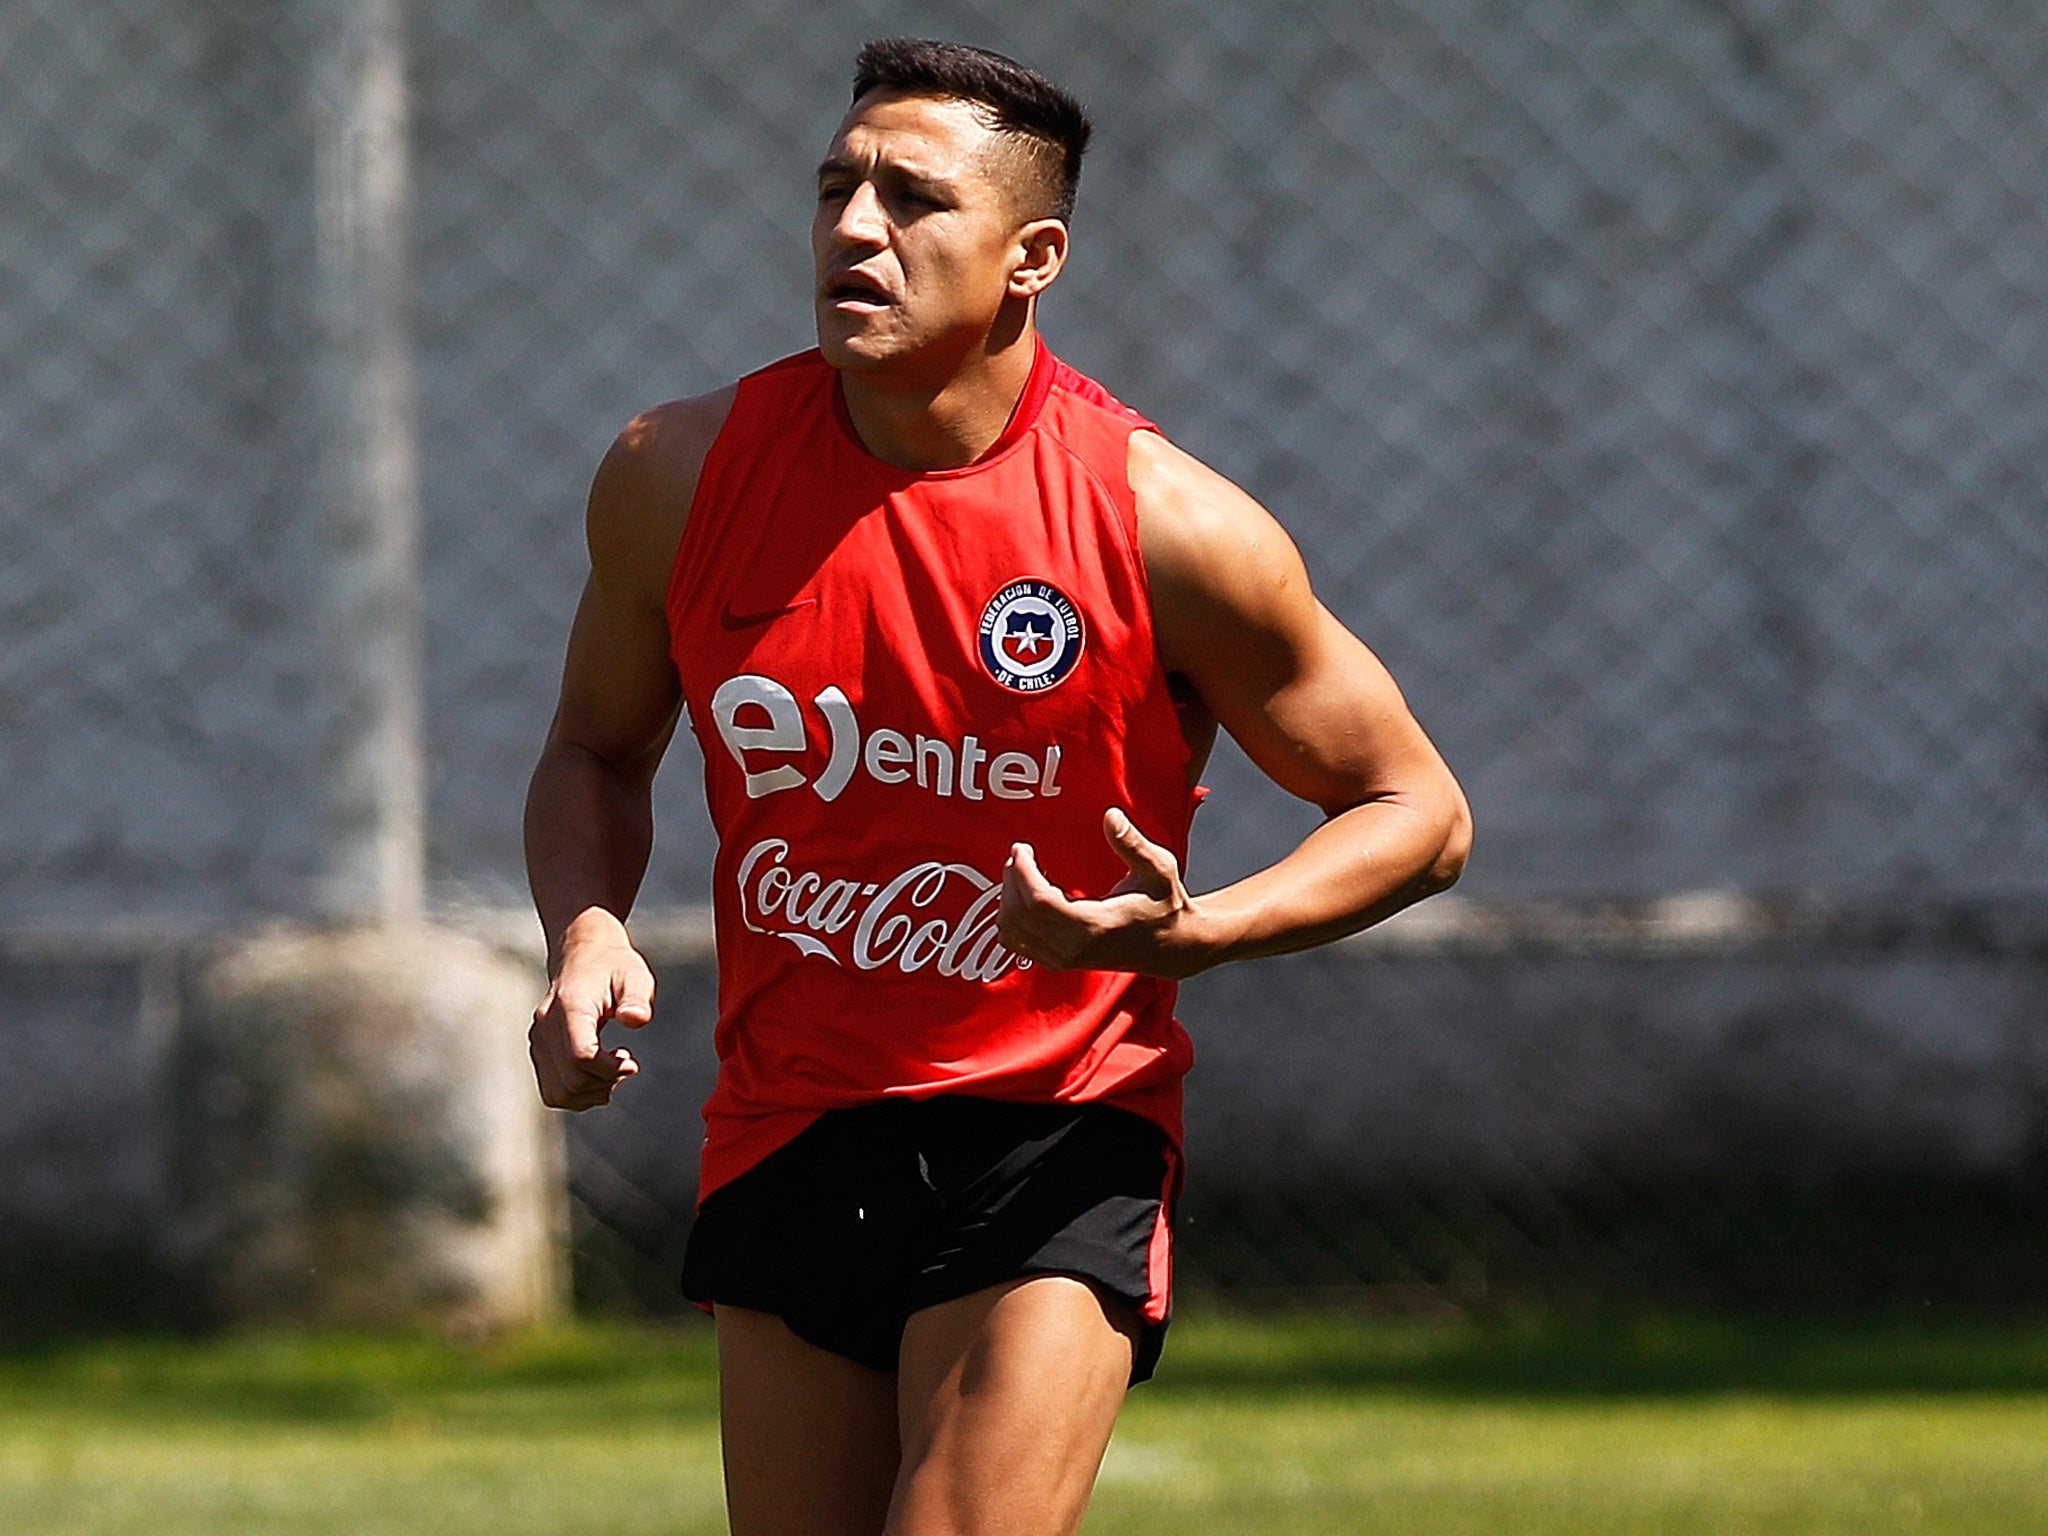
(733, 619)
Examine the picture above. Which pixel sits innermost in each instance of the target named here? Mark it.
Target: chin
(859, 352)
(841, 353)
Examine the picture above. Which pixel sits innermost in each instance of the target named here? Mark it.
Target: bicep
(1322, 718)
(1308, 702)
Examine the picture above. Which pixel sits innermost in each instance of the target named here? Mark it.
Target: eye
(921, 200)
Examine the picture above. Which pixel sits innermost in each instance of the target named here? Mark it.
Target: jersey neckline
(1030, 404)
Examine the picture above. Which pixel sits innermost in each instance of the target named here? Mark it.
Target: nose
(861, 221)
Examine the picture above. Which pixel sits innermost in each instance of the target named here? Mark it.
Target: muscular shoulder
(1217, 562)
(640, 498)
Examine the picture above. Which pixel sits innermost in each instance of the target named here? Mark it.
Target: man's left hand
(1145, 924)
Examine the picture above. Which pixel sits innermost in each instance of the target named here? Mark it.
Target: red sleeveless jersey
(895, 674)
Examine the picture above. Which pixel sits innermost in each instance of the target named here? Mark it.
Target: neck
(943, 421)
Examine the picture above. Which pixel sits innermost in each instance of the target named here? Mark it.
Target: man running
(955, 630)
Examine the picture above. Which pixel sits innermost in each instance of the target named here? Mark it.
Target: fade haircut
(1047, 126)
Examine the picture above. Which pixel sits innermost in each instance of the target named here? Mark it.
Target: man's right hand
(600, 977)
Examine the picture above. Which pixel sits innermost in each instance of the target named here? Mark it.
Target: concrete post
(360, 1143)
(371, 640)
(359, 1138)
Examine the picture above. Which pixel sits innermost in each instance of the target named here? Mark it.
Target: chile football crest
(1030, 636)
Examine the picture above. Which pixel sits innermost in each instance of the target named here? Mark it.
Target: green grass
(1301, 1426)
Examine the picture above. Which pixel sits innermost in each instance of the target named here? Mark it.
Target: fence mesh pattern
(1656, 387)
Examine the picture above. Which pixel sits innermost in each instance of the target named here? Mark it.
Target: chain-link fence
(1657, 387)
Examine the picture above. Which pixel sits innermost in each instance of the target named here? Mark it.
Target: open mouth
(853, 290)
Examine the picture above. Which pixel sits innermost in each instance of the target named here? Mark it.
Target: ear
(1042, 252)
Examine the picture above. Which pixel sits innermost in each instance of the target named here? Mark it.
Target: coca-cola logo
(936, 914)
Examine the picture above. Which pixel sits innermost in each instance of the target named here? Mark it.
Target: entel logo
(889, 757)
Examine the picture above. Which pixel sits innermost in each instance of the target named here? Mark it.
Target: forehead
(934, 135)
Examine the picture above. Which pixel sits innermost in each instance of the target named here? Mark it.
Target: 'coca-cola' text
(935, 913)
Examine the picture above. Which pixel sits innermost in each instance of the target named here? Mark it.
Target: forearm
(1362, 865)
(589, 831)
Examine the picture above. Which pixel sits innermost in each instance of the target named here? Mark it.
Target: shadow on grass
(536, 1381)
(1567, 1357)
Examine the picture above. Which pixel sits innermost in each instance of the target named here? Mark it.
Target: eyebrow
(920, 181)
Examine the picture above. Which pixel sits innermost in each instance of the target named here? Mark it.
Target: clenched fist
(600, 977)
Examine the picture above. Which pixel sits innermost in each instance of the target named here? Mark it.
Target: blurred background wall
(1659, 389)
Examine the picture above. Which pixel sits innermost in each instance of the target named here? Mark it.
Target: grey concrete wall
(1532, 1070)
(85, 1155)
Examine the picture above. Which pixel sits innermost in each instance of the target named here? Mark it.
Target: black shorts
(877, 1212)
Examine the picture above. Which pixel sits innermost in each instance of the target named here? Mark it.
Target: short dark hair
(1053, 126)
